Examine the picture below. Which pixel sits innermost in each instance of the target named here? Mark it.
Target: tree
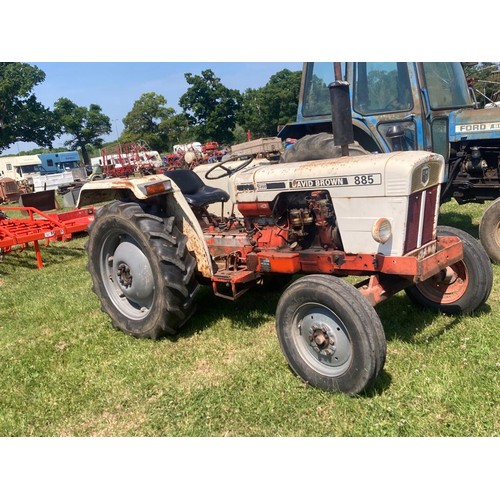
(265, 109)
(85, 125)
(210, 107)
(22, 116)
(178, 130)
(147, 121)
(485, 79)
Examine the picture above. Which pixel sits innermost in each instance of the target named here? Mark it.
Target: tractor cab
(395, 105)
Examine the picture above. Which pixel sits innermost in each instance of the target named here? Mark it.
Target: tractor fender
(109, 189)
(189, 225)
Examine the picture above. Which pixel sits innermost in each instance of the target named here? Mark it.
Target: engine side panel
(363, 189)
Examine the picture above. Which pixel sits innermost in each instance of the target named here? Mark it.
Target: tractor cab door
(387, 105)
(444, 89)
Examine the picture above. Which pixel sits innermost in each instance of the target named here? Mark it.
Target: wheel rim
(322, 339)
(448, 286)
(127, 275)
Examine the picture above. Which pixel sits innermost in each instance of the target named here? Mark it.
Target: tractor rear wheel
(489, 231)
(141, 270)
(460, 288)
(330, 335)
(317, 147)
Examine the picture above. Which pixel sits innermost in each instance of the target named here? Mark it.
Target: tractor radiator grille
(421, 222)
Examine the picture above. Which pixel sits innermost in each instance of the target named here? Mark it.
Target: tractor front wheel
(330, 335)
(460, 288)
(141, 270)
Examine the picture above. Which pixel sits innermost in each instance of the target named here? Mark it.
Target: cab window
(316, 98)
(446, 85)
(381, 87)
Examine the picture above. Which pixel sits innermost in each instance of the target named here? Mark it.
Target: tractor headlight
(382, 230)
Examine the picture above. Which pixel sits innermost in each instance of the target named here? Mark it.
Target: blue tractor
(412, 106)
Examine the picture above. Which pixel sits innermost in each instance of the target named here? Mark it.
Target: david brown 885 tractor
(424, 106)
(371, 216)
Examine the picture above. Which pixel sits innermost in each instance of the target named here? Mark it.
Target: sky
(110, 55)
(115, 86)
(86, 51)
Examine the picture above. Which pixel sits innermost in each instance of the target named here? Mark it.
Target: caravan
(19, 167)
(44, 171)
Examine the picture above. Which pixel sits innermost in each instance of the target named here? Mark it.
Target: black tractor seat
(196, 192)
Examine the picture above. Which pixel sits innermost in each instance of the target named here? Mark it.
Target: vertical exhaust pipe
(343, 133)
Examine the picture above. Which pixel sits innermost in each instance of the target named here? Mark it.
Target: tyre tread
(168, 246)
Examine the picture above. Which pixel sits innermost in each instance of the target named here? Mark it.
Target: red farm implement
(189, 156)
(16, 234)
(124, 160)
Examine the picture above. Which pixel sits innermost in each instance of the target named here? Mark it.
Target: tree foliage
(485, 78)
(210, 107)
(210, 112)
(146, 121)
(265, 109)
(84, 125)
(22, 117)
(178, 130)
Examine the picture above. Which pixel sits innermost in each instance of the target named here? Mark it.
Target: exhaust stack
(340, 101)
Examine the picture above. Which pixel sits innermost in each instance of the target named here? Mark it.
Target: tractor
(413, 106)
(303, 226)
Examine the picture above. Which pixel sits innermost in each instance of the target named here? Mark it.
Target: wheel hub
(448, 276)
(133, 273)
(446, 287)
(322, 339)
(124, 276)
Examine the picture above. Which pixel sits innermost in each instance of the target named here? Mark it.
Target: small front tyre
(460, 288)
(330, 335)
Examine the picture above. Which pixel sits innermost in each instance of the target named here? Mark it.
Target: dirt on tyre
(330, 335)
(460, 288)
(141, 270)
(489, 231)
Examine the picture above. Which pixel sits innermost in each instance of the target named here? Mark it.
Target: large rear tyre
(141, 270)
(330, 335)
(461, 288)
(489, 231)
(318, 147)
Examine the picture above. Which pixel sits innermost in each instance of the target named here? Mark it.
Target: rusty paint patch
(179, 208)
(195, 245)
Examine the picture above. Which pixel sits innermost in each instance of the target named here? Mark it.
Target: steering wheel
(226, 171)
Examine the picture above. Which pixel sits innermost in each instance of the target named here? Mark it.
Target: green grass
(67, 372)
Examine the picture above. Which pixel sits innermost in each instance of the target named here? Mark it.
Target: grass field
(67, 372)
